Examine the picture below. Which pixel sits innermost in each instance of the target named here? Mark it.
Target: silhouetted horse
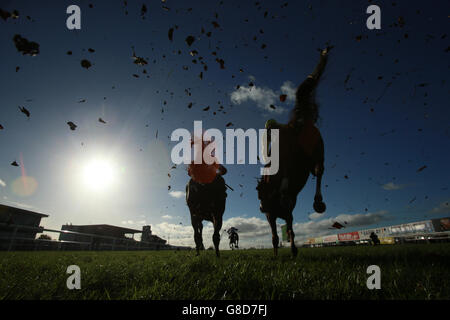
(206, 202)
(234, 241)
(301, 152)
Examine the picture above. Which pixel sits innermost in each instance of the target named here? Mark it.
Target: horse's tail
(306, 106)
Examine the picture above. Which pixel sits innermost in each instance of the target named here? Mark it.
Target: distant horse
(301, 152)
(206, 202)
(234, 241)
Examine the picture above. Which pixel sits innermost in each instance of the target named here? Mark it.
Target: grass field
(407, 272)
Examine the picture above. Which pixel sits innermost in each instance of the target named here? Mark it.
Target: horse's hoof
(319, 207)
(294, 252)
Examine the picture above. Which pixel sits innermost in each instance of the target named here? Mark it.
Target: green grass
(407, 272)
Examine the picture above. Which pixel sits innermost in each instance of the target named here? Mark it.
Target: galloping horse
(301, 152)
(206, 201)
(234, 240)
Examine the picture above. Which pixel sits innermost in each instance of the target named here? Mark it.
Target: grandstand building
(19, 224)
(428, 230)
(19, 229)
(108, 237)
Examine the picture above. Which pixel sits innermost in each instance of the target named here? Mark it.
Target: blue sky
(389, 118)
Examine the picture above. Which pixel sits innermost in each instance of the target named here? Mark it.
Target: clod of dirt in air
(215, 24)
(337, 225)
(283, 97)
(272, 106)
(421, 168)
(26, 47)
(82, 101)
(229, 124)
(207, 108)
(5, 14)
(135, 75)
(14, 164)
(101, 120)
(201, 75)
(221, 62)
(72, 125)
(190, 40)
(190, 105)
(25, 111)
(91, 50)
(17, 69)
(69, 53)
(86, 64)
(1, 127)
(143, 11)
(139, 60)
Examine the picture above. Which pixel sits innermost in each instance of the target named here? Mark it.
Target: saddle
(205, 194)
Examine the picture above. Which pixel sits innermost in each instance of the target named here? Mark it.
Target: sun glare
(98, 174)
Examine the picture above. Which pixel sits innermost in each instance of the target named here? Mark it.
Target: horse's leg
(200, 228)
(291, 235)
(216, 235)
(319, 206)
(273, 225)
(197, 225)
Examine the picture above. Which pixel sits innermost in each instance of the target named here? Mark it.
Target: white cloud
(255, 231)
(177, 194)
(289, 89)
(315, 215)
(19, 204)
(322, 227)
(264, 97)
(167, 216)
(2, 183)
(444, 207)
(392, 186)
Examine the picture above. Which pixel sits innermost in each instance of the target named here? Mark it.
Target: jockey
(232, 231)
(206, 174)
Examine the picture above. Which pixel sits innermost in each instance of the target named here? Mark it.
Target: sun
(98, 174)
